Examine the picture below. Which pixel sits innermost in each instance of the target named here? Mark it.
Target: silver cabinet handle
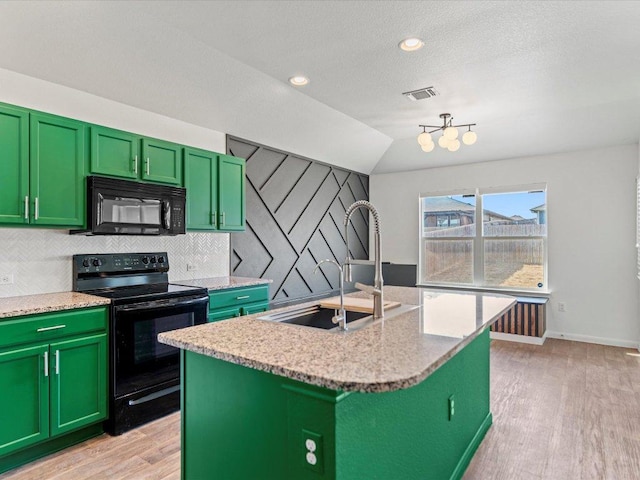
(148, 163)
(222, 219)
(57, 362)
(243, 297)
(135, 164)
(46, 329)
(214, 219)
(46, 364)
(26, 207)
(37, 214)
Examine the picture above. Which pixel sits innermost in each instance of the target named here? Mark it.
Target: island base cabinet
(270, 427)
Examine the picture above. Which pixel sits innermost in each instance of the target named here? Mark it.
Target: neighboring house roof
(539, 208)
(447, 205)
(517, 217)
(451, 205)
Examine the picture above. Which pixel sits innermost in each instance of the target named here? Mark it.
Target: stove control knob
(160, 259)
(153, 259)
(145, 260)
(97, 262)
(86, 263)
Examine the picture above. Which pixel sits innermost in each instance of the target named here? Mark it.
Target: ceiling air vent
(421, 94)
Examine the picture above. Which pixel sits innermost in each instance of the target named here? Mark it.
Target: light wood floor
(565, 411)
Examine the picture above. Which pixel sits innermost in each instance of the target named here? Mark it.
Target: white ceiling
(537, 77)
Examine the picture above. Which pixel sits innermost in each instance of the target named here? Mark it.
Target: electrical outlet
(452, 407)
(562, 307)
(6, 279)
(192, 267)
(313, 457)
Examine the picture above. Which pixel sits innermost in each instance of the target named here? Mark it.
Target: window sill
(504, 291)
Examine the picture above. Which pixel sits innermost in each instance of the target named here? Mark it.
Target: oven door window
(140, 360)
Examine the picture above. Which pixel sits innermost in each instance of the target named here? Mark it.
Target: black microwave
(127, 207)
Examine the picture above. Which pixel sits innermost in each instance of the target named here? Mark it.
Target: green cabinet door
(161, 161)
(115, 153)
(231, 195)
(201, 182)
(257, 308)
(78, 383)
(217, 315)
(57, 171)
(14, 159)
(24, 401)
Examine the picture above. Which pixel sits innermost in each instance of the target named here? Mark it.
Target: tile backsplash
(40, 260)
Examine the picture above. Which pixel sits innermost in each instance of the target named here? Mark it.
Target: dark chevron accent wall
(295, 210)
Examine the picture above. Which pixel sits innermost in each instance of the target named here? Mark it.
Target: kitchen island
(406, 397)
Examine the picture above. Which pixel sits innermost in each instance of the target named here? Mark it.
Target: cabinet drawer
(238, 296)
(44, 327)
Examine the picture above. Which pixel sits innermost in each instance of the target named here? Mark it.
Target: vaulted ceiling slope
(537, 77)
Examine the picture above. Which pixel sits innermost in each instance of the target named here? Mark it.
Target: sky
(508, 204)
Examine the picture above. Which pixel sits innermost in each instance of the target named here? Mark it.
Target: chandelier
(449, 138)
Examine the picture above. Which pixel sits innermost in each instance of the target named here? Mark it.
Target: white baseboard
(614, 342)
(510, 337)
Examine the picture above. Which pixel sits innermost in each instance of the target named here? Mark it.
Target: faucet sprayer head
(363, 204)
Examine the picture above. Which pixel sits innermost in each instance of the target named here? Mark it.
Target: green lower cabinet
(297, 431)
(53, 382)
(78, 383)
(236, 302)
(224, 314)
(257, 308)
(24, 402)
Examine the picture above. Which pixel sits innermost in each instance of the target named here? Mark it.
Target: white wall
(40, 259)
(591, 221)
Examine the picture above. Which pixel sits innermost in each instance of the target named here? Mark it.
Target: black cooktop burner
(144, 292)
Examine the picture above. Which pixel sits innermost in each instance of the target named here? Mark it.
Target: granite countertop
(47, 302)
(397, 352)
(220, 283)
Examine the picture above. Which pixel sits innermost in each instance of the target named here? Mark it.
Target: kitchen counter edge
(23, 305)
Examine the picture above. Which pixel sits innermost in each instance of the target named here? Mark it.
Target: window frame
(478, 240)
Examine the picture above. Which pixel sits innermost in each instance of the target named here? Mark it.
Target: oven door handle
(152, 305)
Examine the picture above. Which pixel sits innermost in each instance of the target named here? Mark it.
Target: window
(504, 248)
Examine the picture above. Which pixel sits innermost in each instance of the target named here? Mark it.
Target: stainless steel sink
(318, 317)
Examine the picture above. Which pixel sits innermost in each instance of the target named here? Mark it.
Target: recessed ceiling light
(411, 44)
(298, 80)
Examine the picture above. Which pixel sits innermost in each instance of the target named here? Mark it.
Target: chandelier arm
(465, 125)
(431, 126)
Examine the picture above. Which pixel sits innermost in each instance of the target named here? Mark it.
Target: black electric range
(144, 374)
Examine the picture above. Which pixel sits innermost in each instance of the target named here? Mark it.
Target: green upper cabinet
(14, 158)
(162, 161)
(231, 193)
(57, 170)
(201, 182)
(127, 155)
(115, 153)
(215, 186)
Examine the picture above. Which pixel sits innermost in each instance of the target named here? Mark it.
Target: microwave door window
(131, 211)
